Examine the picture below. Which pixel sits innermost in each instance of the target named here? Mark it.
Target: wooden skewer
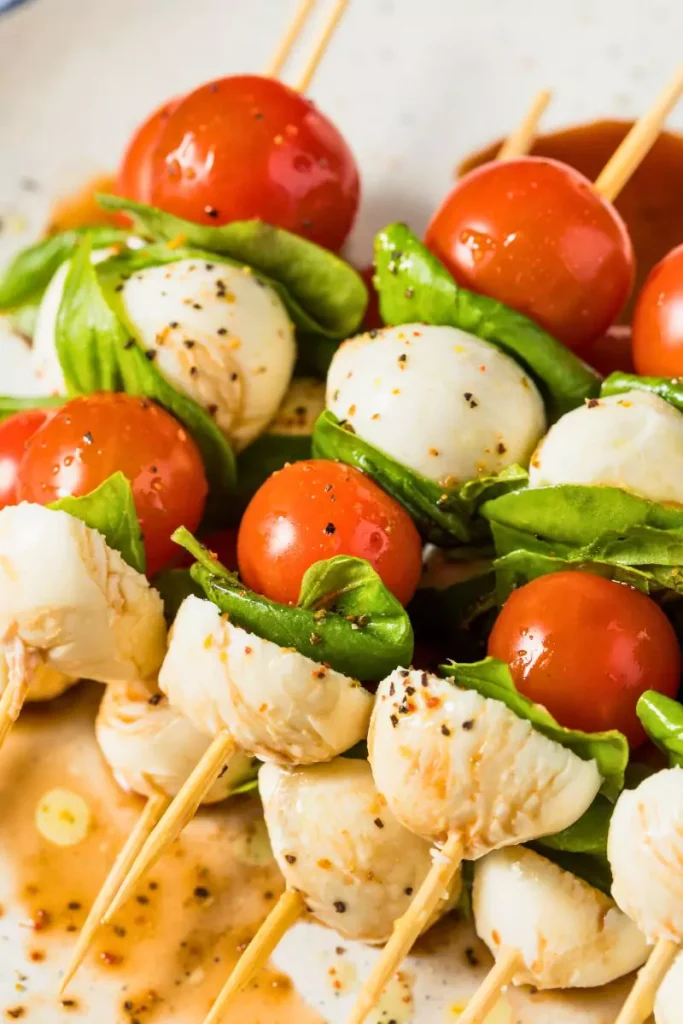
(641, 999)
(178, 814)
(447, 860)
(521, 140)
(154, 809)
(21, 668)
(637, 144)
(284, 914)
(489, 992)
(291, 35)
(321, 46)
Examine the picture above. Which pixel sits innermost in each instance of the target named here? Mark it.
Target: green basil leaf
(250, 783)
(328, 293)
(345, 617)
(30, 272)
(491, 678)
(463, 612)
(414, 286)
(10, 404)
(444, 515)
(642, 540)
(175, 585)
(98, 352)
(668, 388)
(662, 719)
(110, 510)
(587, 835)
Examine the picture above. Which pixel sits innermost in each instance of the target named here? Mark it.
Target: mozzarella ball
(633, 441)
(151, 747)
(220, 336)
(275, 702)
(438, 400)
(568, 934)
(301, 406)
(669, 998)
(338, 844)
(46, 366)
(73, 601)
(450, 761)
(645, 850)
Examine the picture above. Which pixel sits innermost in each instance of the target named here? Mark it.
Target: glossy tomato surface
(658, 320)
(90, 438)
(134, 178)
(534, 234)
(15, 433)
(317, 509)
(587, 648)
(248, 146)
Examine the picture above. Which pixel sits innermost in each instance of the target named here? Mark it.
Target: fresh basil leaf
(98, 352)
(587, 835)
(265, 456)
(662, 719)
(250, 783)
(594, 869)
(345, 617)
(30, 272)
(328, 292)
(175, 585)
(10, 404)
(492, 679)
(668, 388)
(110, 510)
(641, 540)
(413, 285)
(444, 515)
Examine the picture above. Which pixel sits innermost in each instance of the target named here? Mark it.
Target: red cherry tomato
(15, 433)
(534, 234)
(373, 319)
(586, 648)
(248, 146)
(612, 352)
(134, 178)
(90, 438)
(317, 509)
(658, 319)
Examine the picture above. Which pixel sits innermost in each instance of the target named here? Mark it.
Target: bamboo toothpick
(641, 999)
(490, 990)
(321, 46)
(447, 860)
(21, 666)
(179, 813)
(154, 809)
(630, 154)
(284, 914)
(521, 140)
(290, 37)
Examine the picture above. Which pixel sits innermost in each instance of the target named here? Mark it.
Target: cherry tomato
(316, 509)
(534, 234)
(586, 648)
(658, 319)
(612, 352)
(134, 178)
(15, 433)
(90, 438)
(373, 319)
(248, 146)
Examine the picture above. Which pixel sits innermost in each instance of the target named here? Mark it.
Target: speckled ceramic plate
(413, 87)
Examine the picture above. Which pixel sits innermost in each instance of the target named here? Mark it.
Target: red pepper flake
(41, 921)
(36, 956)
(248, 650)
(110, 959)
(433, 702)
(434, 451)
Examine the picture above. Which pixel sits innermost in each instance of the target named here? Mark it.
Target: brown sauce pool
(652, 201)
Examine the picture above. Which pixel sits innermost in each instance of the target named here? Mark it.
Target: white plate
(414, 86)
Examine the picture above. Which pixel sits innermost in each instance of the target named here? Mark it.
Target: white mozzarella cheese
(438, 400)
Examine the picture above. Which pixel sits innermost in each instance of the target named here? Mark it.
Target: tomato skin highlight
(316, 509)
(658, 319)
(134, 179)
(15, 433)
(90, 438)
(587, 648)
(250, 147)
(535, 235)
